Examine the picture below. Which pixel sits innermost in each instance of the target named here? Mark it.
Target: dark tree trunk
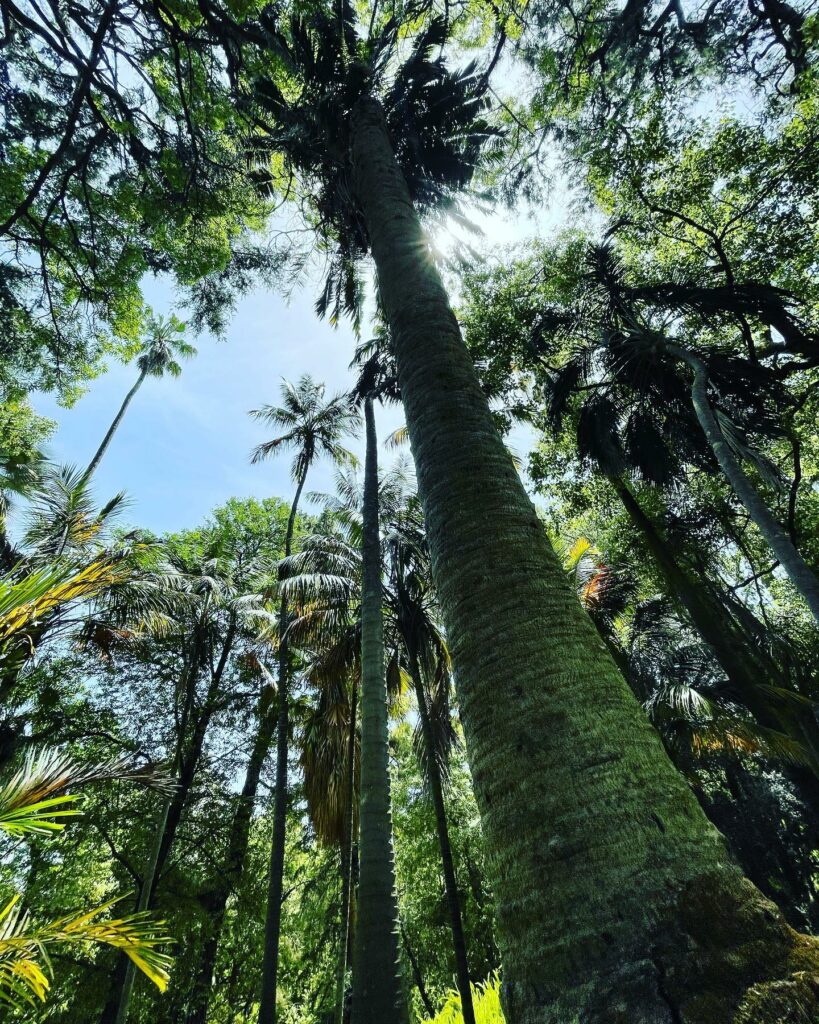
(216, 900)
(346, 865)
(416, 974)
(450, 881)
(377, 992)
(272, 928)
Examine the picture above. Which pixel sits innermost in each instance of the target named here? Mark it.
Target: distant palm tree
(314, 426)
(324, 579)
(158, 356)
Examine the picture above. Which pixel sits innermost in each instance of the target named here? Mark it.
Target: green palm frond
(34, 800)
(26, 598)
(313, 425)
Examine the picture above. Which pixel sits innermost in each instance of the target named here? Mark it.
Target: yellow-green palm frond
(34, 800)
(398, 438)
(26, 600)
(737, 736)
(485, 1002)
(25, 969)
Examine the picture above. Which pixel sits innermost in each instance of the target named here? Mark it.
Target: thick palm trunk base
(617, 902)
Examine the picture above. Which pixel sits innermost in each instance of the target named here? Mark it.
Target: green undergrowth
(485, 999)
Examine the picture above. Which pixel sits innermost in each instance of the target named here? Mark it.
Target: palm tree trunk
(616, 899)
(346, 864)
(272, 929)
(109, 436)
(450, 882)
(228, 880)
(377, 992)
(775, 536)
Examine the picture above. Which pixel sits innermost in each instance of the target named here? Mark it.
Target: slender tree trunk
(416, 973)
(109, 436)
(346, 864)
(616, 899)
(710, 619)
(187, 758)
(450, 882)
(378, 997)
(272, 928)
(228, 880)
(191, 755)
(143, 904)
(775, 535)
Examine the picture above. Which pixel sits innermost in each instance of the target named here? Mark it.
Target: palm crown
(313, 425)
(163, 346)
(434, 117)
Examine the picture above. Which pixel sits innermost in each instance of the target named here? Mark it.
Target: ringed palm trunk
(109, 436)
(616, 899)
(378, 997)
(453, 898)
(775, 536)
(346, 864)
(228, 880)
(273, 918)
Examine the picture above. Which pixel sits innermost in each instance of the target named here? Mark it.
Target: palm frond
(25, 969)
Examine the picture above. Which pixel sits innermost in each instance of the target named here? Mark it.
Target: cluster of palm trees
(614, 893)
(340, 598)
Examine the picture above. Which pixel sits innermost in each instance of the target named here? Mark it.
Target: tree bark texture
(617, 901)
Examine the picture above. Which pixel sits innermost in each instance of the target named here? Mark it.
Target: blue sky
(184, 446)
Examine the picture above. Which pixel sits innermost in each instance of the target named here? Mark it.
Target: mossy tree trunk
(616, 899)
(378, 996)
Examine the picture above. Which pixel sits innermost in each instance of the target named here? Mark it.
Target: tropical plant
(35, 801)
(314, 426)
(491, 557)
(487, 1002)
(158, 354)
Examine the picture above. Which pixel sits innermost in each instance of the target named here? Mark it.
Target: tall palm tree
(642, 403)
(323, 584)
(429, 669)
(325, 577)
(314, 426)
(600, 853)
(218, 607)
(215, 898)
(158, 355)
